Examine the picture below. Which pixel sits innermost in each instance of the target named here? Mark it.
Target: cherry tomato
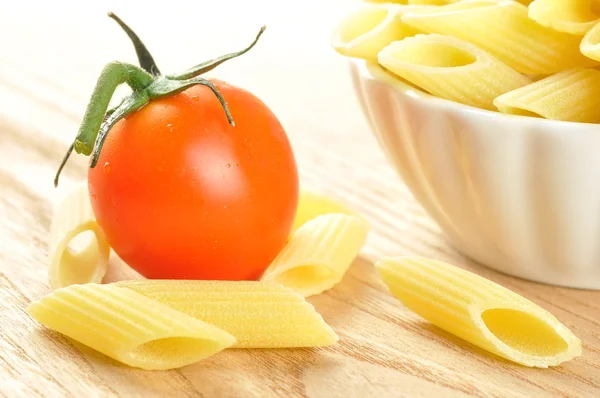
(181, 194)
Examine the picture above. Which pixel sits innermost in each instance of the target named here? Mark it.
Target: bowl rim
(371, 70)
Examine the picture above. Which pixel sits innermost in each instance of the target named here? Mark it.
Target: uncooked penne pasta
(571, 16)
(312, 205)
(503, 29)
(319, 253)
(590, 45)
(432, 2)
(364, 33)
(572, 96)
(128, 326)
(257, 314)
(479, 311)
(72, 218)
(451, 68)
(388, 1)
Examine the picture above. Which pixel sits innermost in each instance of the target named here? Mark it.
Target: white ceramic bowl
(518, 194)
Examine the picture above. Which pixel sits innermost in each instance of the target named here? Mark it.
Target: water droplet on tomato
(107, 168)
(228, 165)
(195, 98)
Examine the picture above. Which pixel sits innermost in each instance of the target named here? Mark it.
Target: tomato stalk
(144, 57)
(146, 84)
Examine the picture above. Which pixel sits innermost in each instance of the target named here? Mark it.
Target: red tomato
(180, 194)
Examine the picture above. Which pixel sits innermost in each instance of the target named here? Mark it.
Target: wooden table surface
(50, 56)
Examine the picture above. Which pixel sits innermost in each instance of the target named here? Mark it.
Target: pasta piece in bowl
(431, 2)
(504, 29)
(128, 326)
(257, 314)
(451, 68)
(319, 253)
(574, 17)
(72, 218)
(365, 32)
(590, 45)
(572, 95)
(479, 311)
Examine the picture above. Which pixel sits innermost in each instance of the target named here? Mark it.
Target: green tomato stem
(62, 164)
(113, 75)
(144, 57)
(97, 121)
(213, 63)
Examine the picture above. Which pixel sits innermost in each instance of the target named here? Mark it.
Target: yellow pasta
(503, 29)
(129, 326)
(364, 33)
(258, 314)
(479, 311)
(571, 16)
(319, 253)
(432, 2)
(590, 45)
(312, 205)
(72, 218)
(451, 68)
(388, 1)
(572, 95)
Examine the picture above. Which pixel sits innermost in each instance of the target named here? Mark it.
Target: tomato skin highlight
(181, 194)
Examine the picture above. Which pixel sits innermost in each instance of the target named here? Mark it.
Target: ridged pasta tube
(319, 253)
(479, 311)
(72, 217)
(572, 96)
(451, 68)
(257, 314)
(504, 29)
(128, 326)
(365, 32)
(571, 16)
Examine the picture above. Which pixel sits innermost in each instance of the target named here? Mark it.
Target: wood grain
(50, 57)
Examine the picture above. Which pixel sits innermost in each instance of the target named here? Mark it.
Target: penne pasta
(258, 314)
(479, 311)
(432, 2)
(128, 326)
(590, 45)
(388, 1)
(312, 205)
(72, 218)
(574, 17)
(503, 29)
(364, 33)
(451, 68)
(572, 96)
(319, 253)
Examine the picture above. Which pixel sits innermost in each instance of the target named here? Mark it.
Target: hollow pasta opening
(304, 277)
(173, 351)
(524, 332)
(432, 54)
(79, 260)
(593, 37)
(361, 23)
